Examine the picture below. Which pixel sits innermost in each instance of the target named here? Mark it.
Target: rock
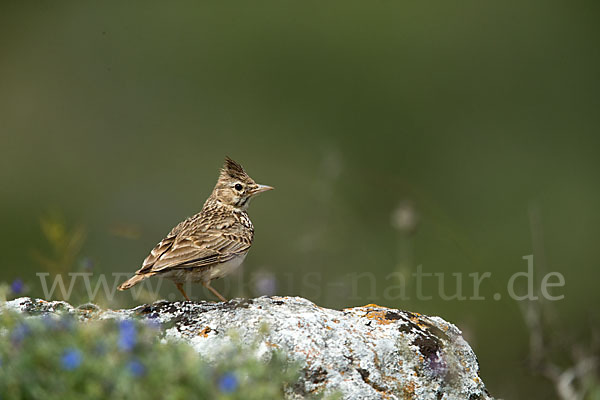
(369, 352)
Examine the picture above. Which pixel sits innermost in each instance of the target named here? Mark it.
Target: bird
(211, 244)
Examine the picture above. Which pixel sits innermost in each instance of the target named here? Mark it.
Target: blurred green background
(478, 121)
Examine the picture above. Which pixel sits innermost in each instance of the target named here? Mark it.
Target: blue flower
(136, 368)
(17, 286)
(228, 383)
(20, 332)
(127, 335)
(70, 359)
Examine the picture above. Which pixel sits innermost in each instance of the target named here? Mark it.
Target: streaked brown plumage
(210, 244)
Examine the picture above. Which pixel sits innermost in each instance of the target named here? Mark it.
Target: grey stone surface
(368, 352)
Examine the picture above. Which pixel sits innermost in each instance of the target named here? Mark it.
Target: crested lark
(212, 243)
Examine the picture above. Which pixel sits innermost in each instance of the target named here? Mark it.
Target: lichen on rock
(368, 352)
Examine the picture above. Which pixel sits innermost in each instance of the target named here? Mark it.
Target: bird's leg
(180, 287)
(214, 291)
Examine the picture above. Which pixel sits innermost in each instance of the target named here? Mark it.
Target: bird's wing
(212, 247)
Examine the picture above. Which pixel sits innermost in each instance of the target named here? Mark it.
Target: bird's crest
(233, 170)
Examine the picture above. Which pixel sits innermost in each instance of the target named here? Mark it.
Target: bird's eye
(238, 187)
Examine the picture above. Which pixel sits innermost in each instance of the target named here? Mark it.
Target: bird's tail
(134, 280)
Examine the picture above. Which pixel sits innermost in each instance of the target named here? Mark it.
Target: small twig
(570, 383)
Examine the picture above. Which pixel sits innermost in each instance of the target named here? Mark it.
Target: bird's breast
(222, 269)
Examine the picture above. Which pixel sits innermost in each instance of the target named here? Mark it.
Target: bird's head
(235, 187)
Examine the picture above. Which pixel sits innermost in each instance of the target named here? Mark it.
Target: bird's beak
(259, 189)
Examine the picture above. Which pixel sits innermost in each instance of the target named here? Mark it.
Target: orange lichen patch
(409, 390)
(204, 332)
(373, 306)
(337, 321)
(275, 345)
(312, 354)
(328, 327)
(376, 360)
(418, 321)
(379, 317)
